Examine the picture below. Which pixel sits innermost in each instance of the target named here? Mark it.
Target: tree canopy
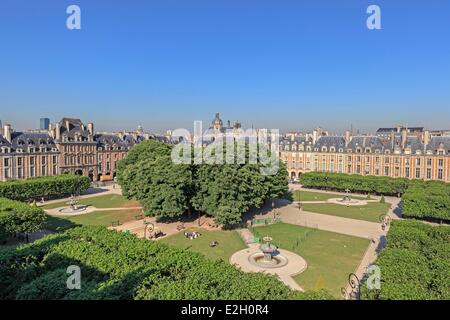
(224, 191)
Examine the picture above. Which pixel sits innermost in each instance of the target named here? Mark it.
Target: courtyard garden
(330, 256)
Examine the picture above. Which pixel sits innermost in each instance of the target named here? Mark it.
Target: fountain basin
(77, 209)
(260, 260)
(349, 202)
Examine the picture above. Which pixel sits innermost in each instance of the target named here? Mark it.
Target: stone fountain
(73, 206)
(269, 257)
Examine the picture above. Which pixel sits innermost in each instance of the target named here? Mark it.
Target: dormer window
(324, 149)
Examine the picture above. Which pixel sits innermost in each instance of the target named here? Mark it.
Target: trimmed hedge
(427, 200)
(355, 183)
(18, 217)
(415, 264)
(34, 188)
(120, 266)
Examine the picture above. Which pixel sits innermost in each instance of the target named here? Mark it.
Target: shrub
(33, 188)
(119, 266)
(415, 264)
(18, 217)
(427, 200)
(355, 183)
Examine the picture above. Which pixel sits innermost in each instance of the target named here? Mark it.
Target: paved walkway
(290, 213)
(137, 227)
(55, 211)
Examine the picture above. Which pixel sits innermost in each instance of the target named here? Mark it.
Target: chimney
(426, 137)
(404, 136)
(51, 131)
(67, 124)
(347, 137)
(7, 132)
(57, 131)
(314, 136)
(91, 128)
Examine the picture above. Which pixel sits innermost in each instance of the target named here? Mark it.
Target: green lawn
(370, 212)
(330, 256)
(318, 196)
(103, 201)
(229, 243)
(96, 218)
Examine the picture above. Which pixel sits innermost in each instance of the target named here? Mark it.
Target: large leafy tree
(224, 191)
(150, 176)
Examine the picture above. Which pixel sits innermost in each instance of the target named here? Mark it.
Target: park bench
(115, 223)
(139, 217)
(180, 227)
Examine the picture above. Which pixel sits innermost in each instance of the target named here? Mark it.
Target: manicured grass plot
(369, 212)
(330, 256)
(318, 196)
(96, 218)
(229, 243)
(102, 201)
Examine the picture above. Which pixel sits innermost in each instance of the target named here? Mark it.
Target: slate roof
(373, 142)
(26, 139)
(74, 128)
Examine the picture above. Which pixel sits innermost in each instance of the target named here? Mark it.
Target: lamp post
(273, 208)
(355, 285)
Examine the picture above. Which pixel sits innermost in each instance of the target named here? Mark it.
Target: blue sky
(274, 64)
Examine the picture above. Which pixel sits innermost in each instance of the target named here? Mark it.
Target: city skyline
(354, 130)
(284, 65)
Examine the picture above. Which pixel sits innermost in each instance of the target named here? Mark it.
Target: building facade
(400, 154)
(69, 146)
